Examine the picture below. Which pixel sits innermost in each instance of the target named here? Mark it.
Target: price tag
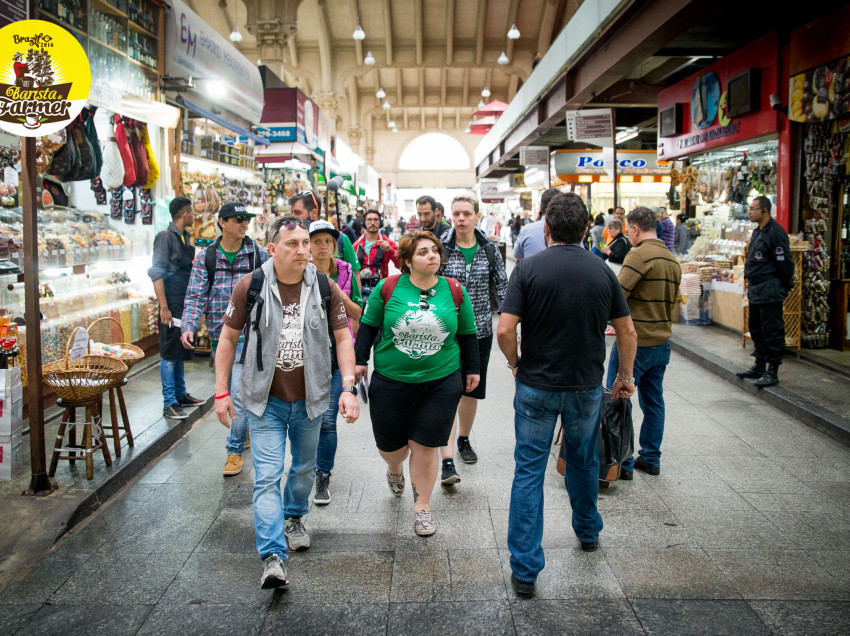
(80, 344)
(10, 176)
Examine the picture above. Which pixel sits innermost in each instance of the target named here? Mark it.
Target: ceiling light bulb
(386, 106)
(360, 34)
(380, 94)
(235, 36)
(259, 62)
(485, 92)
(391, 124)
(513, 34)
(370, 60)
(503, 59)
(395, 130)
(481, 104)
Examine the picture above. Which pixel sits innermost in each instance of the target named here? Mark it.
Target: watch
(350, 389)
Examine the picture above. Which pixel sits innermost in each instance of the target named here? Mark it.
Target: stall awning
(221, 121)
(281, 151)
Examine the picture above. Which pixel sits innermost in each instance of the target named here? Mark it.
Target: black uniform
(769, 271)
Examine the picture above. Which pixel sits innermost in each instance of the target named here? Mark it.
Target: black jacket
(620, 246)
(769, 269)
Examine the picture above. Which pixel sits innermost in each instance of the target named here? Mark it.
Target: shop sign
(821, 93)
(572, 162)
(194, 49)
(536, 178)
(489, 192)
(277, 133)
(534, 156)
(12, 11)
(593, 126)
(307, 121)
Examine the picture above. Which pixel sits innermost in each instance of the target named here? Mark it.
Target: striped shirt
(650, 280)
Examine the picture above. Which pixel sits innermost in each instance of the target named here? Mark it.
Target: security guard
(769, 271)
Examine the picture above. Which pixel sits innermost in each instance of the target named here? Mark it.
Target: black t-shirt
(565, 296)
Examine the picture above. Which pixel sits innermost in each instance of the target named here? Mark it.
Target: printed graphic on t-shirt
(290, 350)
(418, 334)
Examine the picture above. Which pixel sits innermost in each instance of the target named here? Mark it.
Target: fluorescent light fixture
(605, 179)
(215, 88)
(513, 34)
(381, 93)
(625, 135)
(585, 178)
(647, 179)
(359, 33)
(235, 36)
(386, 106)
(503, 59)
(485, 92)
(627, 178)
(369, 60)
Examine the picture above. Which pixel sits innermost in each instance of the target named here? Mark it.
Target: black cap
(233, 208)
(178, 203)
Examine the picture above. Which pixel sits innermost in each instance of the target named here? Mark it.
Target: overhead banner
(194, 49)
(821, 93)
(592, 162)
(592, 126)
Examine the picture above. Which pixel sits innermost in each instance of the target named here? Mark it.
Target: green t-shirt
(468, 255)
(418, 346)
(230, 256)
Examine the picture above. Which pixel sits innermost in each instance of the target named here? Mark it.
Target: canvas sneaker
(189, 401)
(274, 574)
(323, 493)
(396, 483)
(233, 465)
(174, 412)
(467, 455)
(296, 534)
(423, 523)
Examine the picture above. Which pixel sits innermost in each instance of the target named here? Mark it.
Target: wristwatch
(350, 389)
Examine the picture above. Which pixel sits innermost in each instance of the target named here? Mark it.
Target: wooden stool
(93, 435)
(113, 416)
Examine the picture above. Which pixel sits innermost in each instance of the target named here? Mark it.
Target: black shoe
(188, 400)
(323, 492)
(590, 546)
(627, 475)
(449, 475)
(522, 588)
(649, 469)
(769, 378)
(174, 412)
(464, 448)
(755, 371)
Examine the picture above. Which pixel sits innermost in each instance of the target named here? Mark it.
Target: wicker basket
(138, 353)
(83, 379)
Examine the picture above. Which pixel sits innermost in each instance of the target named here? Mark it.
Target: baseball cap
(317, 227)
(178, 203)
(233, 208)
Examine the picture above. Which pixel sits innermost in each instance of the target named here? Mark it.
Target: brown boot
(233, 466)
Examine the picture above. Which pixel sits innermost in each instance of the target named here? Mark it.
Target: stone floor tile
(804, 618)
(16, 616)
(321, 619)
(459, 529)
(668, 573)
(557, 529)
(555, 496)
(219, 578)
(169, 532)
(813, 530)
(340, 577)
(570, 573)
(777, 574)
(629, 495)
(732, 529)
(452, 575)
(200, 619)
(691, 426)
(331, 531)
(465, 495)
(356, 494)
(707, 446)
(44, 579)
(473, 617)
(698, 618)
(232, 532)
(113, 578)
(707, 502)
(643, 528)
(575, 616)
(83, 620)
(822, 469)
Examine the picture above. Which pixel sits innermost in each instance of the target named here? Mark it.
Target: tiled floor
(746, 531)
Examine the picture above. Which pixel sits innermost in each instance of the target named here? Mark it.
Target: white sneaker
(274, 574)
(296, 534)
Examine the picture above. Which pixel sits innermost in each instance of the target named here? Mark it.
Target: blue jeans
(173, 381)
(536, 412)
(238, 427)
(268, 446)
(327, 436)
(650, 364)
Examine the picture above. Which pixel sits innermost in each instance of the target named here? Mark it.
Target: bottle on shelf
(844, 227)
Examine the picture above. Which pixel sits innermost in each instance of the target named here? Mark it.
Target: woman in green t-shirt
(427, 357)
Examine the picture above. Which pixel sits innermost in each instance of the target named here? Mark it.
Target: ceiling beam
(488, 79)
(512, 12)
(450, 31)
(421, 86)
(443, 79)
(466, 86)
(479, 31)
(547, 25)
(513, 85)
(457, 117)
(223, 6)
(325, 53)
(440, 119)
(418, 28)
(406, 124)
(388, 31)
(293, 52)
(399, 87)
(422, 116)
(354, 6)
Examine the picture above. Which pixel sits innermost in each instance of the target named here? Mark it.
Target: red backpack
(390, 282)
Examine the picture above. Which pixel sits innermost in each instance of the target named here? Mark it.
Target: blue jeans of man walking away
(536, 412)
(327, 437)
(650, 364)
(268, 446)
(173, 381)
(238, 427)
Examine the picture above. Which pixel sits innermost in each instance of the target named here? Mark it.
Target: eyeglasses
(423, 299)
(240, 219)
(288, 223)
(754, 209)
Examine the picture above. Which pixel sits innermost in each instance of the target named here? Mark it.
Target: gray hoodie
(317, 354)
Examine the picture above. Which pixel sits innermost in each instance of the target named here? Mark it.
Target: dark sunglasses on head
(288, 223)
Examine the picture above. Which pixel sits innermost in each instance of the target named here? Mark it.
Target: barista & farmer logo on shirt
(419, 334)
(44, 78)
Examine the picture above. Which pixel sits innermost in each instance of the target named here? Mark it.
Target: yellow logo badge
(44, 78)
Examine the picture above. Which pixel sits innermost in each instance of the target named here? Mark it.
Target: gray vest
(317, 355)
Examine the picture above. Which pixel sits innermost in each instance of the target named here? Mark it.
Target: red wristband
(223, 395)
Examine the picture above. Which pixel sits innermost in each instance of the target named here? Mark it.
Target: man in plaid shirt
(235, 256)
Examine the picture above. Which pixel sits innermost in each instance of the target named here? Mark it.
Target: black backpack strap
(490, 250)
(254, 299)
(325, 293)
(254, 256)
(210, 255)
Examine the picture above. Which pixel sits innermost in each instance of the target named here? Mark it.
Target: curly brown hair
(407, 247)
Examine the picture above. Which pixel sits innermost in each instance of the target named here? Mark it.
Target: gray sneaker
(323, 493)
(396, 483)
(296, 534)
(274, 574)
(424, 524)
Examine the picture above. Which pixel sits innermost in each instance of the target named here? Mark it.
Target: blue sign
(705, 100)
(277, 133)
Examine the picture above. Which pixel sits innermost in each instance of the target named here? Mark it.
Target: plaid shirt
(201, 299)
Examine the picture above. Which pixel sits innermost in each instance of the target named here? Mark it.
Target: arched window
(434, 151)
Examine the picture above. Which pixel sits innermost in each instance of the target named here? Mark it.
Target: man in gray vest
(288, 310)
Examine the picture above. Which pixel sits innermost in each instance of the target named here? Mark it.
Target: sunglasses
(423, 299)
(288, 223)
(240, 218)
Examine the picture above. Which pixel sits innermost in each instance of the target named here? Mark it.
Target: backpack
(210, 260)
(254, 298)
(391, 281)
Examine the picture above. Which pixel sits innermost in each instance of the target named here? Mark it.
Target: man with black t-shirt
(565, 296)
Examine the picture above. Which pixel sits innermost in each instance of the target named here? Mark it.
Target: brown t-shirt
(288, 380)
